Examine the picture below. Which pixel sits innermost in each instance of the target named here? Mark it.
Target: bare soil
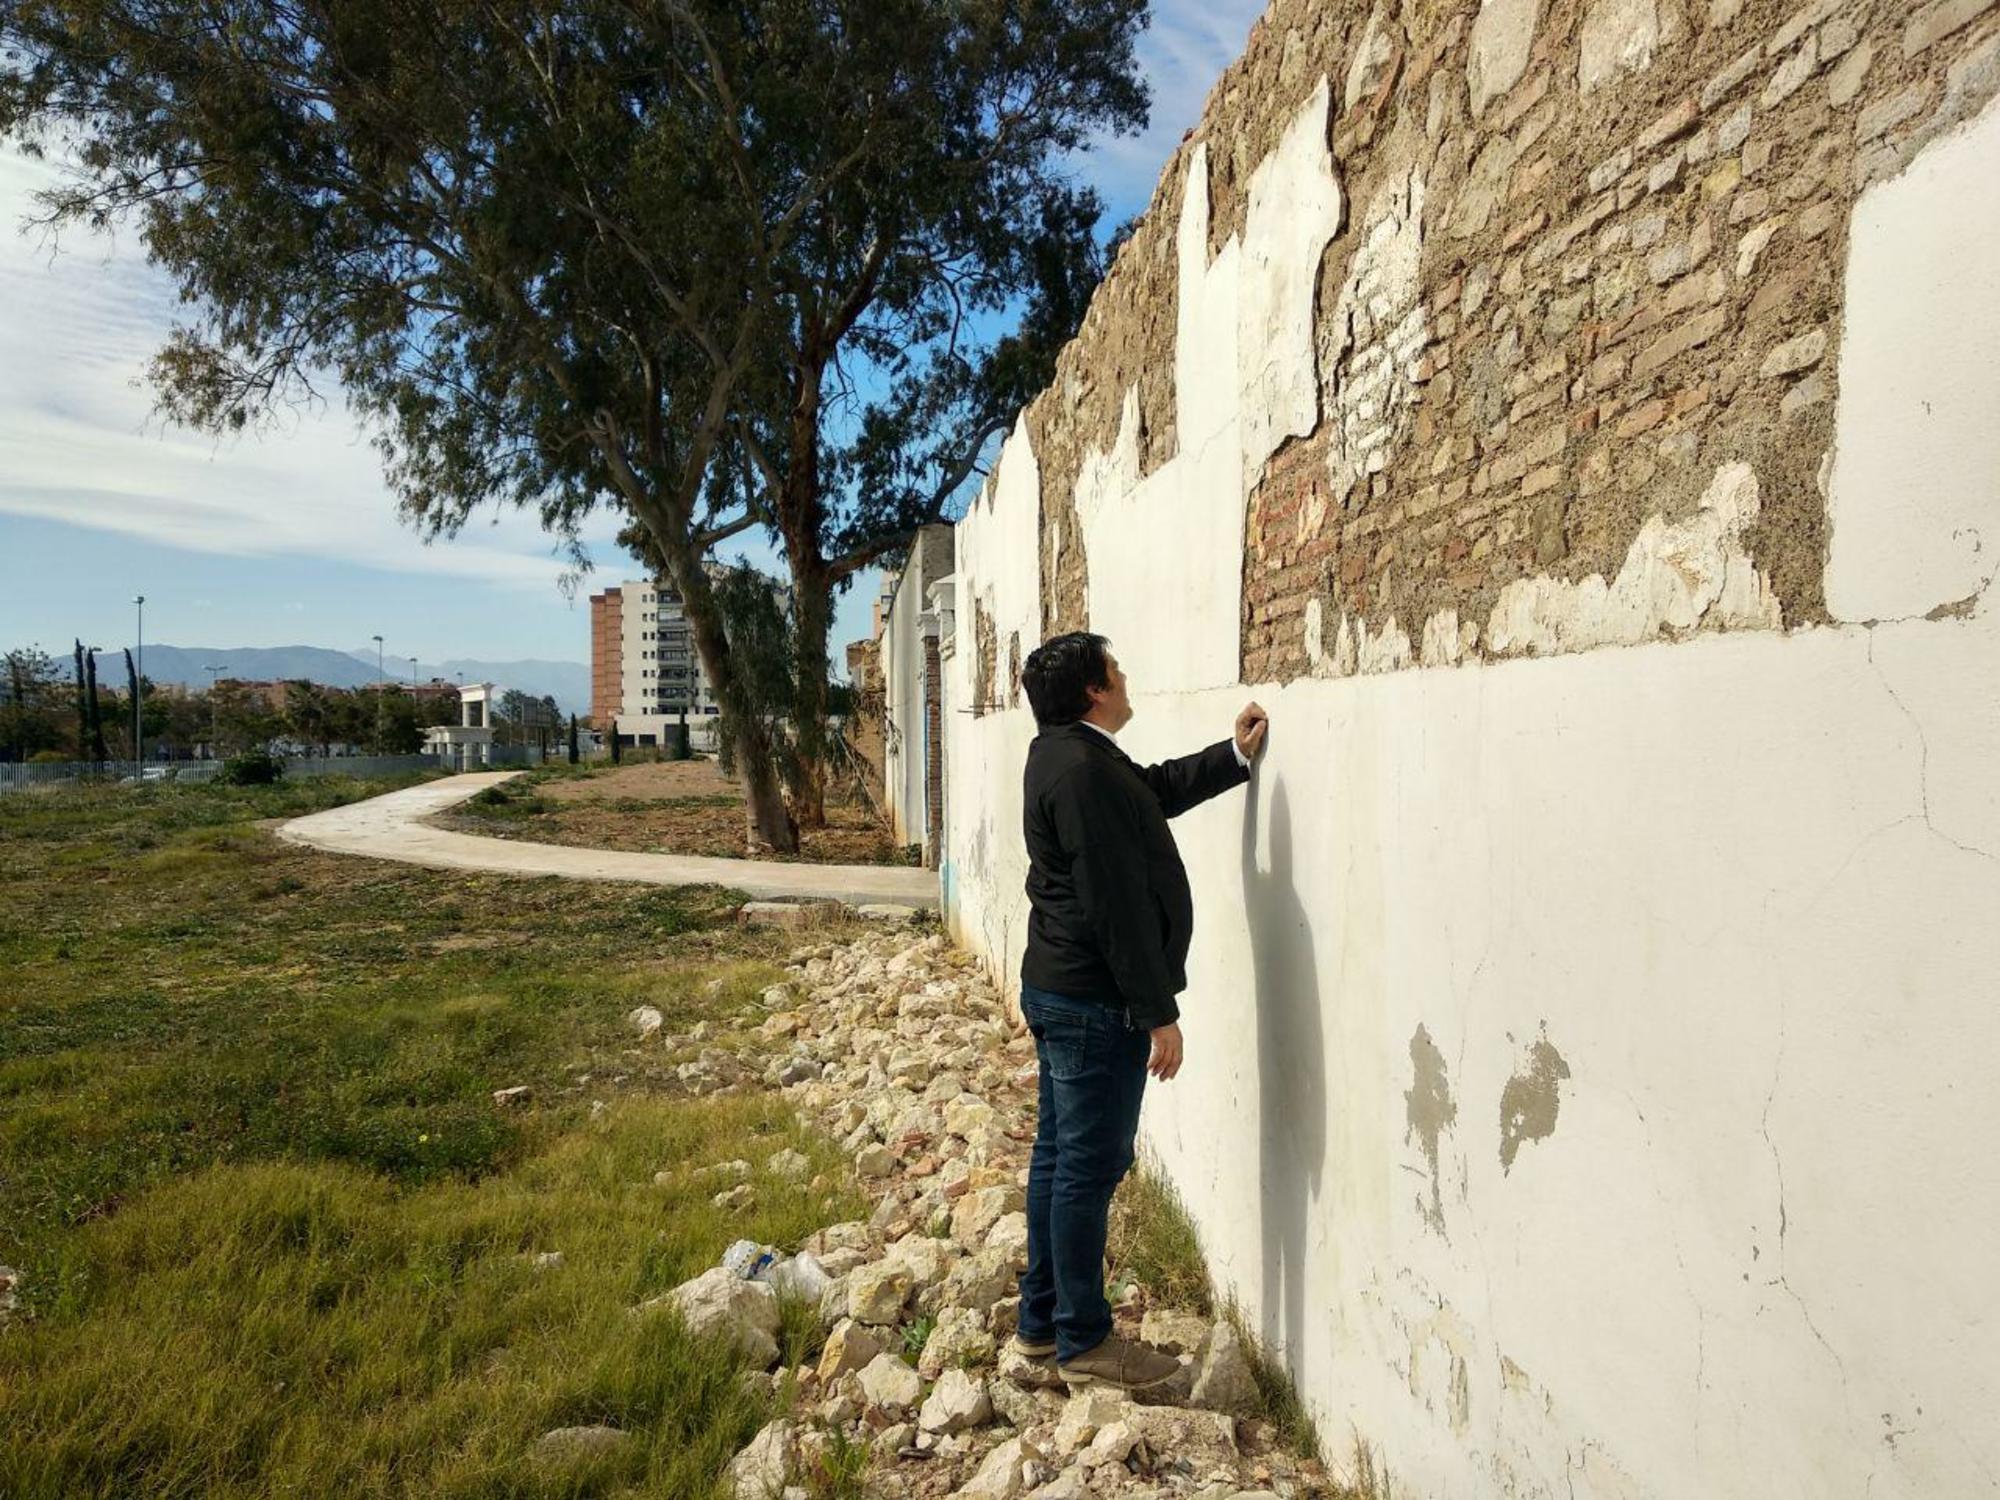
(664, 807)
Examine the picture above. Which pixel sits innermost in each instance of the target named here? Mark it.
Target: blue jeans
(1093, 1067)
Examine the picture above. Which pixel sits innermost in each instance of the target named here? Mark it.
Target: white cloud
(79, 442)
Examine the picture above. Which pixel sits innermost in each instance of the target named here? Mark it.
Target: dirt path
(392, 827)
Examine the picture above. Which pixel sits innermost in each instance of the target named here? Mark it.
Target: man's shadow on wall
(1291, 1068)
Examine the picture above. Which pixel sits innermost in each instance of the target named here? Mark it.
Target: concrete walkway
(391, 827)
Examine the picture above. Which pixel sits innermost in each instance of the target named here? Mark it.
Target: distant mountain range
(568, 682)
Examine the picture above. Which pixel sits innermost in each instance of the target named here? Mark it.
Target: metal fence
(14, 778)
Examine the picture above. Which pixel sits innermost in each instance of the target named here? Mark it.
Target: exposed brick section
(1619, 291)
(986, 648)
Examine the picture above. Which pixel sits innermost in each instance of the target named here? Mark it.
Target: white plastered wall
(1589, 1057)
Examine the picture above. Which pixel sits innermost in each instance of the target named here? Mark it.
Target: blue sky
(290, 537)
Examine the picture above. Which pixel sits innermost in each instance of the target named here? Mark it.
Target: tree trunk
(812, 618)
(769, 823)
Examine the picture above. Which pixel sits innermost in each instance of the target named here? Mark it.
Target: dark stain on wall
(1529, 1103)
(1430, 1113)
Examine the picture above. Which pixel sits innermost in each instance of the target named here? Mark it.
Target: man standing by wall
(1107, 948)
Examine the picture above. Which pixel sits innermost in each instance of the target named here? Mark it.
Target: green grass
(277, 1238)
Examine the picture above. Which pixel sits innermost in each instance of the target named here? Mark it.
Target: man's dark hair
(1057, 673)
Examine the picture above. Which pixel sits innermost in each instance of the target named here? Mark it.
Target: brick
(1756, 156)
(1689, 335)
(1545, 478)
(1845, 81)
(1734, 130)
(1885, 115)
(1668, 262)
(1666, 173)
(1520, 233)
(1798, 24)
(1583, 421)
(1642, 418)
(1697, 291)
(1730, 79)
(1672, 125)
(1683, 402)
(1752, 203)
(1837, 36)
(1643, 319)
(1794, 355)
(1939, 21)
(1608, 171)
(1607, 370)
(1751, 246)
(1807, 393)
(1791, 73)
(1815, 221)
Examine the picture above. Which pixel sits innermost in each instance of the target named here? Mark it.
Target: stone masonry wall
(1580, 317)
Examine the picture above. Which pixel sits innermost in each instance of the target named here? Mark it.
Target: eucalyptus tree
(570, 255)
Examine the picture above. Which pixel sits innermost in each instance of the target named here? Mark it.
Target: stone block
(1503, 34)
(1619, 36)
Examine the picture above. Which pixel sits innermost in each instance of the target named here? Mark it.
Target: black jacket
(1111, 914)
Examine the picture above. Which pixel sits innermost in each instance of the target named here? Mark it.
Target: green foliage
(252, 768)
(33, 706)
(608, 254)
(918, 1334)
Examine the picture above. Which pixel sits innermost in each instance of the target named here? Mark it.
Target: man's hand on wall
(1166, 1059)
(1250, 727)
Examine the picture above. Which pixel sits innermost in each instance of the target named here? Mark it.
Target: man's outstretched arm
(1190, 780)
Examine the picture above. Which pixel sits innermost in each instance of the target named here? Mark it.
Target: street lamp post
(139, 694)
(214, 730)
(379, 681)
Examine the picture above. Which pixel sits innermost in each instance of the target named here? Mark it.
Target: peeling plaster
(1530, 1101)
(1373, 341)
(1678, 577)
(1294, 210)
(1430, 1111)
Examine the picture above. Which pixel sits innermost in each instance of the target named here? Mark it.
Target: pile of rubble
(898, 1047)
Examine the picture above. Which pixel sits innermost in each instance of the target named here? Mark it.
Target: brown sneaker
(1124, 1364)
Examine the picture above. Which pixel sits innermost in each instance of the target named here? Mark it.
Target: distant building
(644, 669)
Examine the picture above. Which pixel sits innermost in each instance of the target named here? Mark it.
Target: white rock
(794, 1166)
(760, 1471)
(848, 1349)
(928, 1260)
(1068, 1485)
(1010, 1235)
(958, 1339)
(876, 1292)
(1223, 1379)
(1000, 1477)
(1173, 1332)
(646, 1020)
(967, 1113)
(874, 1161)
(739, 1199)
(979, 1280)
(957, 1402)
(1084, 1414)
(890, 1384)
(979, 1211)
(720, 1304)
(1113, 1444)
(568, 1444)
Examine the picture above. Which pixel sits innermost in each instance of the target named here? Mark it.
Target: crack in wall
(1923, 760)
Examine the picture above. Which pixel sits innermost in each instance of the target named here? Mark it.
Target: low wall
(1592, 993)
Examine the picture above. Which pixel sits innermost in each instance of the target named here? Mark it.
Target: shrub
(252, 768)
